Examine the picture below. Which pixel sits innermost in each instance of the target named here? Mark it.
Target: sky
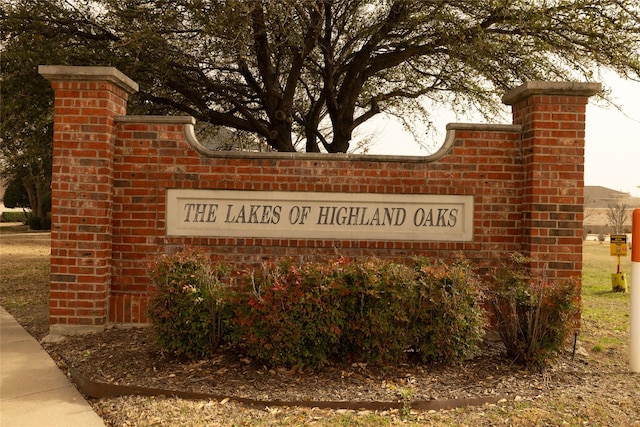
(612, 146)
(612, 142)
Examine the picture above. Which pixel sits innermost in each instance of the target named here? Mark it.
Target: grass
(605, 313)
(24, 279)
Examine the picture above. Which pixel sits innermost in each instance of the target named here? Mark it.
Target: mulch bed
(129, 360)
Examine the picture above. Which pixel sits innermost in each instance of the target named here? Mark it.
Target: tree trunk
(36, 189)
(312, 122)
(312, 142)
(341, 137)
(280, 136)
(29, 186)
(41, 190)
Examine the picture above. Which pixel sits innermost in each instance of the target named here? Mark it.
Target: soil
(130, 357)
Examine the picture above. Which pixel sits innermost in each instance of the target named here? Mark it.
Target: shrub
(45, 222)
(15, 195)
(533, 318)
(377, 301)
(449, 316)
(39, 223)
(368, 310)
(189, 310)
(14, 217)
(35, 223)
(290, 315)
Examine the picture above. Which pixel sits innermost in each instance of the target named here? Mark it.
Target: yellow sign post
(619, 245)
(618, 248)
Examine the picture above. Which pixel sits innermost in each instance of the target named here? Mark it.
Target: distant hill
(596, 197)
(596, 204)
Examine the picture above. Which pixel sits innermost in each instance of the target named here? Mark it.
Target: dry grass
(24, 277)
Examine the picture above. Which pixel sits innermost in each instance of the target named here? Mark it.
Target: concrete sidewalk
(33, 391)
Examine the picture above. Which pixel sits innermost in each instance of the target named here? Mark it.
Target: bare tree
(587, 212)
(617, 215)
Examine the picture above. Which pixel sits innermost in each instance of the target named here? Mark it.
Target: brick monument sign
(127, 189)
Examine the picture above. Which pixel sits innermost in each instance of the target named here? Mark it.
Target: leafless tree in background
(617, 215)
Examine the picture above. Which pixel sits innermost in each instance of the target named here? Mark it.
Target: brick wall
(553, 117)
(112, 173)
(86, 102)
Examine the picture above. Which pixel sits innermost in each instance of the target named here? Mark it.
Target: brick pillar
(87, 99)
(552, 116)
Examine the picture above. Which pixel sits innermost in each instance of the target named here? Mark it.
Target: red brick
(520, 198)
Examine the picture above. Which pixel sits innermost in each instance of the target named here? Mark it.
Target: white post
(634, 343)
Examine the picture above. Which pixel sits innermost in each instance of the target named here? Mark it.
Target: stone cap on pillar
(108, 74)
(550, 88)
